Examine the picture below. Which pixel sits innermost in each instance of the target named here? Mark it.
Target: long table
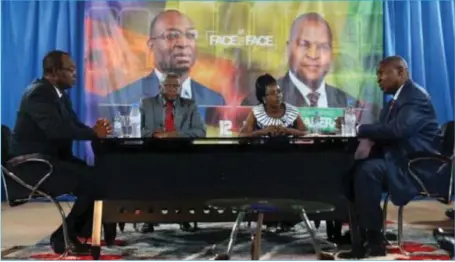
(168, 181)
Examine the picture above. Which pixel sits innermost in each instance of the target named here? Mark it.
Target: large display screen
(221, 47)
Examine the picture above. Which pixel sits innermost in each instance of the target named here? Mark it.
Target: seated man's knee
(370, 169)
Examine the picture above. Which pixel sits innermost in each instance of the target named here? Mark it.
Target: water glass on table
(126, 124)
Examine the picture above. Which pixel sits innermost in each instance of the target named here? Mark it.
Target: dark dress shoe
(147, 228)
(377, 250)
(76, 248)
(188, 228)
(445, 240)
(449, 213)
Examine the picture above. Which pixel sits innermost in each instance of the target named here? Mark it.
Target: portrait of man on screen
(310, 56)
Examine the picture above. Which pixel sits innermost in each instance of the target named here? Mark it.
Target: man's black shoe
(76, 248)
(377, 250)
(449, 213)
(445, 240)
(147, 228)
(188, 228)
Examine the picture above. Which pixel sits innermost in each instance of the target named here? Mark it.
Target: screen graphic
(220, 48)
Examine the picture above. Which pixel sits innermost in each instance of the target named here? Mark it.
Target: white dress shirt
(186, 85)
(305, 90)
(59, 93)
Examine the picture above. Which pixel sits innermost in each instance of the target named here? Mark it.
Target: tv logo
(240, 39)
(225, 127)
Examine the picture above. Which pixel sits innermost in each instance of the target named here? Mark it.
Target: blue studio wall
(423, 32)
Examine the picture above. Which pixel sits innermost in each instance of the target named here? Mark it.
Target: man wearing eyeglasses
(172, 41)
(45, 129)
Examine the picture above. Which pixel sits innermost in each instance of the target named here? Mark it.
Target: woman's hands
(281, 131)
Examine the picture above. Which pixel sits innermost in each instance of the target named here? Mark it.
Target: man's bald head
(310, 49)
(173, 42)
(164, 15)
(396, 61)
(309, 17)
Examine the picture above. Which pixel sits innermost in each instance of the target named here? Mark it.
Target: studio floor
(28, 224)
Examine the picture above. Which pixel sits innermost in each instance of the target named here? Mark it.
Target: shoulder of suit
(334, 89)
(187, 102)
(39, 87)
(421, 90)
(149, 99)
(205, 88)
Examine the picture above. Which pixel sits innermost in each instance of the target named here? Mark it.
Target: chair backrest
(12, 192)
(447, 145)
(6, 139)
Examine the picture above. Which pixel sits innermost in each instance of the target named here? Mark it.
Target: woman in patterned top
(272, 117)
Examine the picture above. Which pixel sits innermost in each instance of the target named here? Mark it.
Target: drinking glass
(126, 124)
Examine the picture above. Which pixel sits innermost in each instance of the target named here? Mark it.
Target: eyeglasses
(69, 69)
(171, 85)
(172, 35)
(274, 93)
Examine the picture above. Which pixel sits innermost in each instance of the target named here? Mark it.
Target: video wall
(221, 47)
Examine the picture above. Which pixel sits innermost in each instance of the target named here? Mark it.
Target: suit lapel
(291, 94)
(402, 97)
(158, 112)
(178, 114)
(196, 92)
(332, 99)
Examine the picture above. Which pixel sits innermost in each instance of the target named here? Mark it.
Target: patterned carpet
(168, 242)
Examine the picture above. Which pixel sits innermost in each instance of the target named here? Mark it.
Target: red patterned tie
(169, 121)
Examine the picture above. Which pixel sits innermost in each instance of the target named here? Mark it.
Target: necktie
(313, 97)
(169, 120)
(391, 104)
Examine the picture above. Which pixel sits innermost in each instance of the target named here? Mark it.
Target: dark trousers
(69, 176)
(368, 184)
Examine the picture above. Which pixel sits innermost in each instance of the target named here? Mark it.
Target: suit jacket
(407, 128)
(291, 95)
(187, 120)
(46, 123)
(150, 85)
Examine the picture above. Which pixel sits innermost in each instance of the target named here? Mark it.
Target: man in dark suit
(407, 125)
(170, 115)
(45, 128)
(309, 51)
(173, 44)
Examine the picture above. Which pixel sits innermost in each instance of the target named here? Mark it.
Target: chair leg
(136, 228)
(384, 218)
(309, 228)
(96, 231)
(256, 239)
(232, 238)
(400, 230)
(64, 225)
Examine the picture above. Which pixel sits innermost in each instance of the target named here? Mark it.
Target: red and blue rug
(168, 242)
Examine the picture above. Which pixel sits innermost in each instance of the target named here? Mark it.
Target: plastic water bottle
(118, 126)
(350, 119)
(316, 123)
(135, 121)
